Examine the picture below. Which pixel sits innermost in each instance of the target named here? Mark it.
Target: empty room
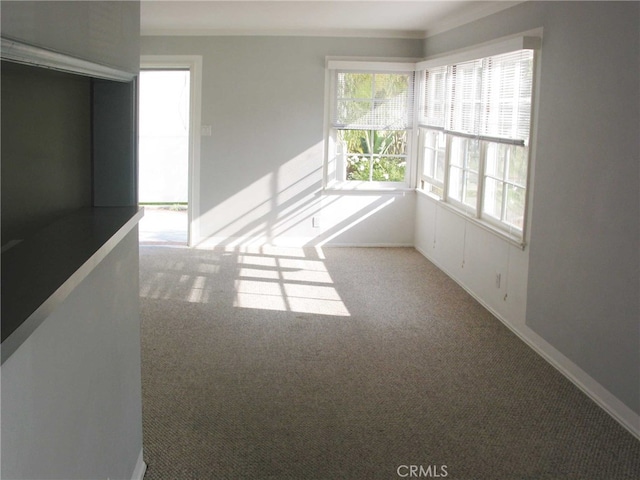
(411, 247)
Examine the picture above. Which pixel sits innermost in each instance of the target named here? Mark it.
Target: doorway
(169, 149)
(163, 155)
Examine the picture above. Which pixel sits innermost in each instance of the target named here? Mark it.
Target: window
(371, 127)
(475, 127)
(433, 148)
(464, 142)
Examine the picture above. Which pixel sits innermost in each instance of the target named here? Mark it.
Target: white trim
(194, 64)
(370, 65)
(18, 52)
(593, 389)
(333, 183)
(331, 33)
(141, 468)
(529, 41)
(373, 62)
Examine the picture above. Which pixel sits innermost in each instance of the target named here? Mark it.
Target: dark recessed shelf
(40, 272)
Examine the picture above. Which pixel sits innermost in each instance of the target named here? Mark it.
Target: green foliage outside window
(371, 111)
(375, 155)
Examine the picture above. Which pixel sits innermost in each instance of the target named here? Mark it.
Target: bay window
(465, 141)
(475, 127)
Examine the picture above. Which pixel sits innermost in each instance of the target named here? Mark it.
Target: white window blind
(488, 98)
(507, 82)
(480, 111)
(373, 101)
(465, 106)
(435, 97)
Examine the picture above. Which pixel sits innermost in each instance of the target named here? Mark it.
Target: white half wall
(492, 269)
(71, 393)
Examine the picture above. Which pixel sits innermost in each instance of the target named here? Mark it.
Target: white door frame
(194, 64)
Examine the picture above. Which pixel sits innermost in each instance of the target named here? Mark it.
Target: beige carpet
(354, 364)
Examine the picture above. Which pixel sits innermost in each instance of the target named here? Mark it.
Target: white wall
(103, 32)
(71, 393)
(261, 169)
(577, 284)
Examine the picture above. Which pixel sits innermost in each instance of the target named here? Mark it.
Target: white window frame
(440, 190)
(415, 176)
(431, 183)
(335, 166)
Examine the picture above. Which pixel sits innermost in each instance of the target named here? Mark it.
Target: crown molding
(338, 33)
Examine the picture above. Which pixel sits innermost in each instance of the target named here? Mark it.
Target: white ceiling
(376, 18)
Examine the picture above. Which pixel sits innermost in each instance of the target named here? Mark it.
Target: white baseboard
(141, 468)
(594, 390)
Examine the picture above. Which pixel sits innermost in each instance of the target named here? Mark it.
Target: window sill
(512, 239)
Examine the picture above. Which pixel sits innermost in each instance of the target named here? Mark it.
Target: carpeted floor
(354, 364)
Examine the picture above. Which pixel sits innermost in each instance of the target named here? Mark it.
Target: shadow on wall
(288, 207)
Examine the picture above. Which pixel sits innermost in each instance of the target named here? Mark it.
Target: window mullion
(447, 166)
(372, 140)
(481, 178)
(505, 176)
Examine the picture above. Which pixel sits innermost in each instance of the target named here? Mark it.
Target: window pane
(389, 142)
(518, 166)
(456, 177)
(471, 190)
(493, 193)
(390, 85)
(440, 162)
(507, 95)
(466, 97)
(429, 160)
(465, 153)
(373, 155)
(515, 206)
(388, 169)
(434, 97)
(353, 112)
(433, 155)
(457, 151)
(373, 100)
(354, 85)
(355, 141)
(358, 167)
(495, 160)
(473, 155)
